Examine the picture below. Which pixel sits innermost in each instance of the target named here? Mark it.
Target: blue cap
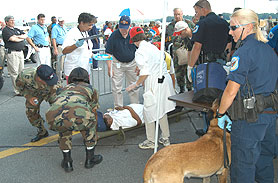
(124, 22)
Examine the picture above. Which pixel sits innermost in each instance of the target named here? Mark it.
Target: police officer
(75, 110)
(252, 142)
(273, 38)
(210, 35)
(273, 42)
(36, 85)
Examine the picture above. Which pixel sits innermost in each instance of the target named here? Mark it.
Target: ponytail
(246, 16)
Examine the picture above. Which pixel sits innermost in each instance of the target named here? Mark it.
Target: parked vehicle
(29, 53)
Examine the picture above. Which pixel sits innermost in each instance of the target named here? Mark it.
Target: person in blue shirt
(254, 64)
(96, 41)
(273, 42)
(58, 35)
(273, 38)
(123, 64)
(38, 38)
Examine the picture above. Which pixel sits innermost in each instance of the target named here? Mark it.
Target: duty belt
(212, 57)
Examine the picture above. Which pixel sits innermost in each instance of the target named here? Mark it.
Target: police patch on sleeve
(234, 63)
(270, 35)
(195, 29)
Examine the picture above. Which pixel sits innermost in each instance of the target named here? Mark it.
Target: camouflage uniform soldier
(2, 64)
(2, 55)
(180, 71)
(74, 109)
(181, 38)
(36, 85)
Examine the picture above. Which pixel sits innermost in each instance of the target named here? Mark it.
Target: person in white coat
(77, 50)
(147, 58)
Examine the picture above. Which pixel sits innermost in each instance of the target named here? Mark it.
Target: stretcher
(183, 99)
(121, 137)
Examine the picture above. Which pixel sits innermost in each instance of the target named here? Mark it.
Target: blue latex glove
(79, 43)
(221, 122)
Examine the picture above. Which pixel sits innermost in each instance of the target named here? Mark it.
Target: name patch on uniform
(270, 35)
(234, 63)
(195, 29)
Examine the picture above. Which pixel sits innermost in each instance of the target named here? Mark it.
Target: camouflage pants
(2, 59)
(65, 127)
(181, 75)
(33, 114)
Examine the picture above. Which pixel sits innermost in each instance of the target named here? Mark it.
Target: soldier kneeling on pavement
(74, 109)
(36, 85)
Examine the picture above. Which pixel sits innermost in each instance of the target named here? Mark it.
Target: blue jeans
(252, 150)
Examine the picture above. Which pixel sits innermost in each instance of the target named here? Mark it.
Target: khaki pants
(164, 126)
(60, 63)
(15, 64)
(120, 70)
(2, 59)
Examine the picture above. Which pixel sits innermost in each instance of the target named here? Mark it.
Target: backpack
(209, 82)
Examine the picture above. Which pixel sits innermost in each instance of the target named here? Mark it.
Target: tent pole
(160, 72)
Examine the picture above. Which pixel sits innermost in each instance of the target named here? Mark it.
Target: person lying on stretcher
(126, 117)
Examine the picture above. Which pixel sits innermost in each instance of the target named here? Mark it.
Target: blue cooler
(209, 82)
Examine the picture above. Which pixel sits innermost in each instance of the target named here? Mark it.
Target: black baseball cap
(47, 74)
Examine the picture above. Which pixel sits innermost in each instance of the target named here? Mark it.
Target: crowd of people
(135, 50)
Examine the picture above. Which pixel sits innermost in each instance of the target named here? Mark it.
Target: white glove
(189, 68)
(131, 87)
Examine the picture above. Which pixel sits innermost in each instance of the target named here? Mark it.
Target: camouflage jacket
(74, 101)
(170, 29)
(29, 87)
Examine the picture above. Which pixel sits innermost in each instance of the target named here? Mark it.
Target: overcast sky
(110, 9)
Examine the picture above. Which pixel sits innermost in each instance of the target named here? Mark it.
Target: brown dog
(201, 158)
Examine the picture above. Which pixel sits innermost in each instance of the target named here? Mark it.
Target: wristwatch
(219, 115)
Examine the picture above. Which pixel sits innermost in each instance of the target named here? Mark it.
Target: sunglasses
(234, 27)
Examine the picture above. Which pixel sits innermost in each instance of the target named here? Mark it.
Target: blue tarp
(125, 12)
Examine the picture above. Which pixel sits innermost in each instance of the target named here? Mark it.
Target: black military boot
(91, 158)
(66, 163)
(182, 90)
(39, 136)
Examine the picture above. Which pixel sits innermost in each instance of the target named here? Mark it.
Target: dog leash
(226, 158)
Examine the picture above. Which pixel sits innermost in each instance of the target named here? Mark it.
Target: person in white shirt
(77, 50)
(147, 58)
(108, 31)
(125, 117)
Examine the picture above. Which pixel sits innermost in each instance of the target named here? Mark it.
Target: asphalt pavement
(25, 162)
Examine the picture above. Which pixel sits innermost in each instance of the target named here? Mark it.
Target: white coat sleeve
(142, 62)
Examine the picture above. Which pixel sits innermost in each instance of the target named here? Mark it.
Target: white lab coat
(147, 58)
(80, 56)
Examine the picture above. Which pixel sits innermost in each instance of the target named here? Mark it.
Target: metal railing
(99, 78)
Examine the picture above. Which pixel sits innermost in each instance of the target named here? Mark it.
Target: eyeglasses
(234, 27)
